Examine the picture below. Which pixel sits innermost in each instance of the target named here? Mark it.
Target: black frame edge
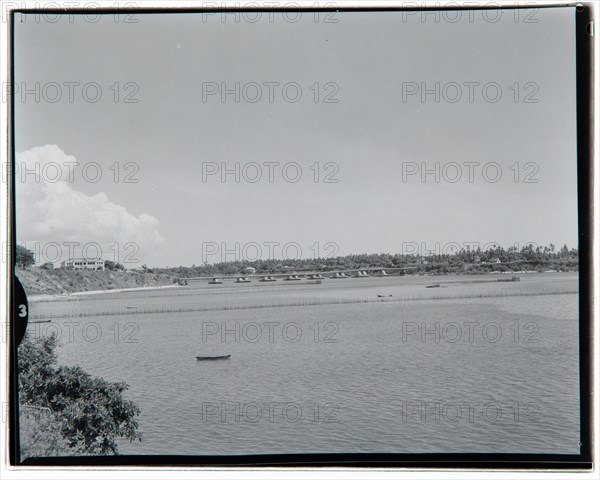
(13, 390)
(517, 461)
(585, 181)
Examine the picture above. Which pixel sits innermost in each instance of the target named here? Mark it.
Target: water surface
(475, 365)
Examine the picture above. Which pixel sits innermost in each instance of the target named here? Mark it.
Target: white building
(83, 264)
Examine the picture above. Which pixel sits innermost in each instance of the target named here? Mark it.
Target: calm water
(475, 365)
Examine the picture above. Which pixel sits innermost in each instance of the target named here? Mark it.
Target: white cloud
(50, 210)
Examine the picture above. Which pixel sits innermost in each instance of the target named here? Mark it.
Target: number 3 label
(20, 312)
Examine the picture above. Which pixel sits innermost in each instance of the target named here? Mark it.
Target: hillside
(38, 281)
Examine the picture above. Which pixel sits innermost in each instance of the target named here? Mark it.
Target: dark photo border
(518, 461)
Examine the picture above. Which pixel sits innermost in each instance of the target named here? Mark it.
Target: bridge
(298, 276)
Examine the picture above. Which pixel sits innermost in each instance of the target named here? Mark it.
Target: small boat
(435, 285)
(267, 279)
(316, 276)
(242, 280)
(215, 281)
(214, 357)
(291, 278)
(130, 307)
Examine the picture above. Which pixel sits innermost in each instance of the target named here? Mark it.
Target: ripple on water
(369, 383)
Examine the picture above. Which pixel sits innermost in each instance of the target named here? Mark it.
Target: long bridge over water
(297, 276)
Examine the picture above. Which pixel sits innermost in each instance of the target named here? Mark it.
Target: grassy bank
(38, 281)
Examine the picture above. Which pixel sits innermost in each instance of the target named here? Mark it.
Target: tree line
(498, 259)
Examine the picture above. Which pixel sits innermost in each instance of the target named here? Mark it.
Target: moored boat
(213, 357)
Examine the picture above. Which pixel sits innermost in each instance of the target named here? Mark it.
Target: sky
(141, 134)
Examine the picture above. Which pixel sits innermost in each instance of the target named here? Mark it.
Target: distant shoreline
(46, 297)
(49, 297)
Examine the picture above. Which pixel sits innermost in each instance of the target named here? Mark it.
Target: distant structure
(83, 264)
(248, 270)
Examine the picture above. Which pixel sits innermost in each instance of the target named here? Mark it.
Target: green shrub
(90, 411)
(41, 435)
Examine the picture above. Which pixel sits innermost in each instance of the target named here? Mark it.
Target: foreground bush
(76, 413)
(41, 435)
